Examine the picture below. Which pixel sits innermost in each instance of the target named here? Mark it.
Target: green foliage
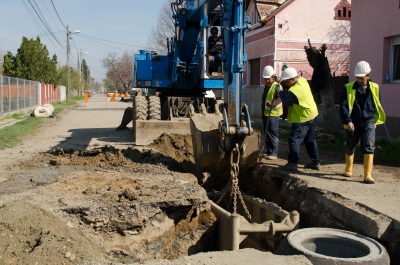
(32, 62)
(108, 84)
(75, 79)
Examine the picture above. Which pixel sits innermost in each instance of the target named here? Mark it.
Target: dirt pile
(105, 204)
(31, 235)
(178, 147)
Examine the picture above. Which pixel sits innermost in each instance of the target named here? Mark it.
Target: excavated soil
(118, 205)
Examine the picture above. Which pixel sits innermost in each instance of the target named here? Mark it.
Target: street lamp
(68, 54)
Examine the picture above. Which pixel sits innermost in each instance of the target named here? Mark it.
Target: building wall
(315, 22)
(371, 39)
(284, 41)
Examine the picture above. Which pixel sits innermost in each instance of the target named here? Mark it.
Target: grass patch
(59, 106)
(386, 150)
(10, 136)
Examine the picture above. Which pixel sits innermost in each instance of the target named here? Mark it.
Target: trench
(168, 213)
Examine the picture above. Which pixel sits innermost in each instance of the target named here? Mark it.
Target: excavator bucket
(147, 123)
(206, 145)
(146, 131)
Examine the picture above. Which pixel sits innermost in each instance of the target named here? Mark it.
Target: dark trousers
(271, 140)
(365, 133)
(303, 132)
(216, 61)
(128, 116)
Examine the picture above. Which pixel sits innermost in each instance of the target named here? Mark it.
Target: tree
(119, 70)
(340, 35)
(76, 83)
(32, 62)
(322, 81)
(108, 84)
(164, 30)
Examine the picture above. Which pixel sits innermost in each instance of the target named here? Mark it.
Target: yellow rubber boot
(348, 172)
(368, 163)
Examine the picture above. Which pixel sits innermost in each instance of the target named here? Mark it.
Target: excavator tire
(154, 108)
(140, 108)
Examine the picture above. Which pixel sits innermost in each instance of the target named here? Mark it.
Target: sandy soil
(67, 194)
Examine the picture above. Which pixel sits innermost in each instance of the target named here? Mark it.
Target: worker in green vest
(360, 112)
(271, 109)
(302, 115)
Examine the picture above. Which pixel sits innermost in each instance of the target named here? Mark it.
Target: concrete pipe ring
(325, 246)
(50, 107)
(41, 112)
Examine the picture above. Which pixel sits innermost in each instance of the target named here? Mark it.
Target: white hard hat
(268, 72)
(289, 73)
(362, 69)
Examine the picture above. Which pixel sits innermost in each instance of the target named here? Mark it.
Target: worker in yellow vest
(360, 112)
(271, 109)
(302, 115)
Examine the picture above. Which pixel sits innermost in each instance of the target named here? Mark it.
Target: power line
(112, 41)
(57, 13)
(38, 25)
(50, 14)
(44, 22)
(100, 43)
(11, 38)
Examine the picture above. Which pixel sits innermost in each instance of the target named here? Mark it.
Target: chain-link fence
(17, 94)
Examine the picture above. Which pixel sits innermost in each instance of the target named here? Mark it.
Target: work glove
(278, 88)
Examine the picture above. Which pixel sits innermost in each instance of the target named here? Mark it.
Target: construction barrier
(86, 97)
(113, 97)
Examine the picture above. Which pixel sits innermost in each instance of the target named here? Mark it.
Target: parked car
(88, 93)
(132, 94)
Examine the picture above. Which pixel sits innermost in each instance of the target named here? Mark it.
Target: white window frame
(395, 42)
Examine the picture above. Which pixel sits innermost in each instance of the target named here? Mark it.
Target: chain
(234, 182)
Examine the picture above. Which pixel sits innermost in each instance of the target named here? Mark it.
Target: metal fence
(17, 94)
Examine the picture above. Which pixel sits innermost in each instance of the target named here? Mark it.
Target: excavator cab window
(214, 46)
(214, 43)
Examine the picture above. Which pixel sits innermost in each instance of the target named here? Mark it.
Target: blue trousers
(364, 133)
(271, 141)
(303, 132)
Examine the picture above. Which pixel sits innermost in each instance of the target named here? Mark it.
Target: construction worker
(302, 115)
(360, 112)
(271, 108)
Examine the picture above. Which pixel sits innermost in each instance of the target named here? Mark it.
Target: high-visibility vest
(379, 114)
(277, 110)
(306, 110)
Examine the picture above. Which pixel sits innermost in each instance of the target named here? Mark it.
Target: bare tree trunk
(322, 81)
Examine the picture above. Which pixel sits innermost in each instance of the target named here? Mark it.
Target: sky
(105, 26)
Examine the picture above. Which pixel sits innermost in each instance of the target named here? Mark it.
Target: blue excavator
(220, 126)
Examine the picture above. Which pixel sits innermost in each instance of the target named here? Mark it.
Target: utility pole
(68, 68)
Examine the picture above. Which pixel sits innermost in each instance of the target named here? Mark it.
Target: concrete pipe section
(323, 246)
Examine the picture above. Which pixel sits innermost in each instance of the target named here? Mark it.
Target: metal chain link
(234, 183)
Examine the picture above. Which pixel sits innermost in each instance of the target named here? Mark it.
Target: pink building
(375, 38)
(281, 29)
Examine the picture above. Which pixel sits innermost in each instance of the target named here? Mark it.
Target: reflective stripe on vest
(306, 110)
(277, 110)
(379, 114)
